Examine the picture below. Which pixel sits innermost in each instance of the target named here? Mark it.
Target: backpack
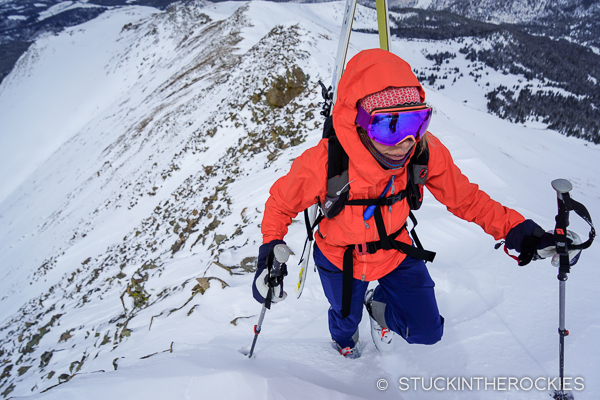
(336, 200)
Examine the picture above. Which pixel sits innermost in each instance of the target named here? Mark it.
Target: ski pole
(277, 270)
(258, 326)
(563, 247)
(562, 187)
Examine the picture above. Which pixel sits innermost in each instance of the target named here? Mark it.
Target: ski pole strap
(268, 298)
(529, 247)
(580, 210)
(560, 237)
(565, 205)
(497, 246)
(268, 280)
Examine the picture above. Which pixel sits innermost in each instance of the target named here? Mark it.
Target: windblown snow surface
(137, 151)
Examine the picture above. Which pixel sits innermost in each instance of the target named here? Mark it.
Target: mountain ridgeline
(555, 43)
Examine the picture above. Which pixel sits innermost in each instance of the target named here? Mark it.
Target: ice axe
(277, 270)
(566, 204)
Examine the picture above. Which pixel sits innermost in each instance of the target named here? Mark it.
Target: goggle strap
(400, 108)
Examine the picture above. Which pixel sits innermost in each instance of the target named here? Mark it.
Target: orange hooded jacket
(368, 72)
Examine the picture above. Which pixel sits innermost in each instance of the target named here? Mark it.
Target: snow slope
(145, 149)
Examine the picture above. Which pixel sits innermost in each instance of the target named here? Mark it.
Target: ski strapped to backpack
(329, 94)
(338, 188)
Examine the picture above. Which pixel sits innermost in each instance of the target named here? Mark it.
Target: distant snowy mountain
(576, 21)
(136, 154)
(23, 21)
(516, 11)
(569, 67)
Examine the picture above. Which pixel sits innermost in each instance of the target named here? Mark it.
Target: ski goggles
(391, 125)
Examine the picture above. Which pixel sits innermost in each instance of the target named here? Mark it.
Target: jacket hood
(367, 72)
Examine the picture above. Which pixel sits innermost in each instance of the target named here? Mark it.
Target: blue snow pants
(411, 309)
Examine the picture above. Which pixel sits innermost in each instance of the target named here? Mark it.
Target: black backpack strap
(337, 174)
(383, 201)
(338, 187)
(413, 232)
(347, 281)
(337, 159)
(384, 239)
(328, 130)
(417, 176)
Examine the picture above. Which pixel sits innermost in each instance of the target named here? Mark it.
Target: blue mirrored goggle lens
(392, 128)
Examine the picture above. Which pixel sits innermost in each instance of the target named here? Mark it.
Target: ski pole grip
(281, 253)
(561, 186)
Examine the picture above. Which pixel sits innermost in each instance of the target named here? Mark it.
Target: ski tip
(300, 279)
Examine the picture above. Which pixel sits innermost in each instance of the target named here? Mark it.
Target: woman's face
(396, 152)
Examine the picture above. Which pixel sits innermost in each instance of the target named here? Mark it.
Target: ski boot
(347, 352)
(382, 336)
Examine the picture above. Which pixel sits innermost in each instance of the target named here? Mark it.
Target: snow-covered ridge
(62, 7)
(128, 242)
(147, 171)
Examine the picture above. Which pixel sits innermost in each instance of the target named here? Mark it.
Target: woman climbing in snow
(380, 119)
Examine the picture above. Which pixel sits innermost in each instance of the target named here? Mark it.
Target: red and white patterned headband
(389, 97)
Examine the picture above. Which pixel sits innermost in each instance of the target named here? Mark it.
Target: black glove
(260, 286)
(526, 238)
